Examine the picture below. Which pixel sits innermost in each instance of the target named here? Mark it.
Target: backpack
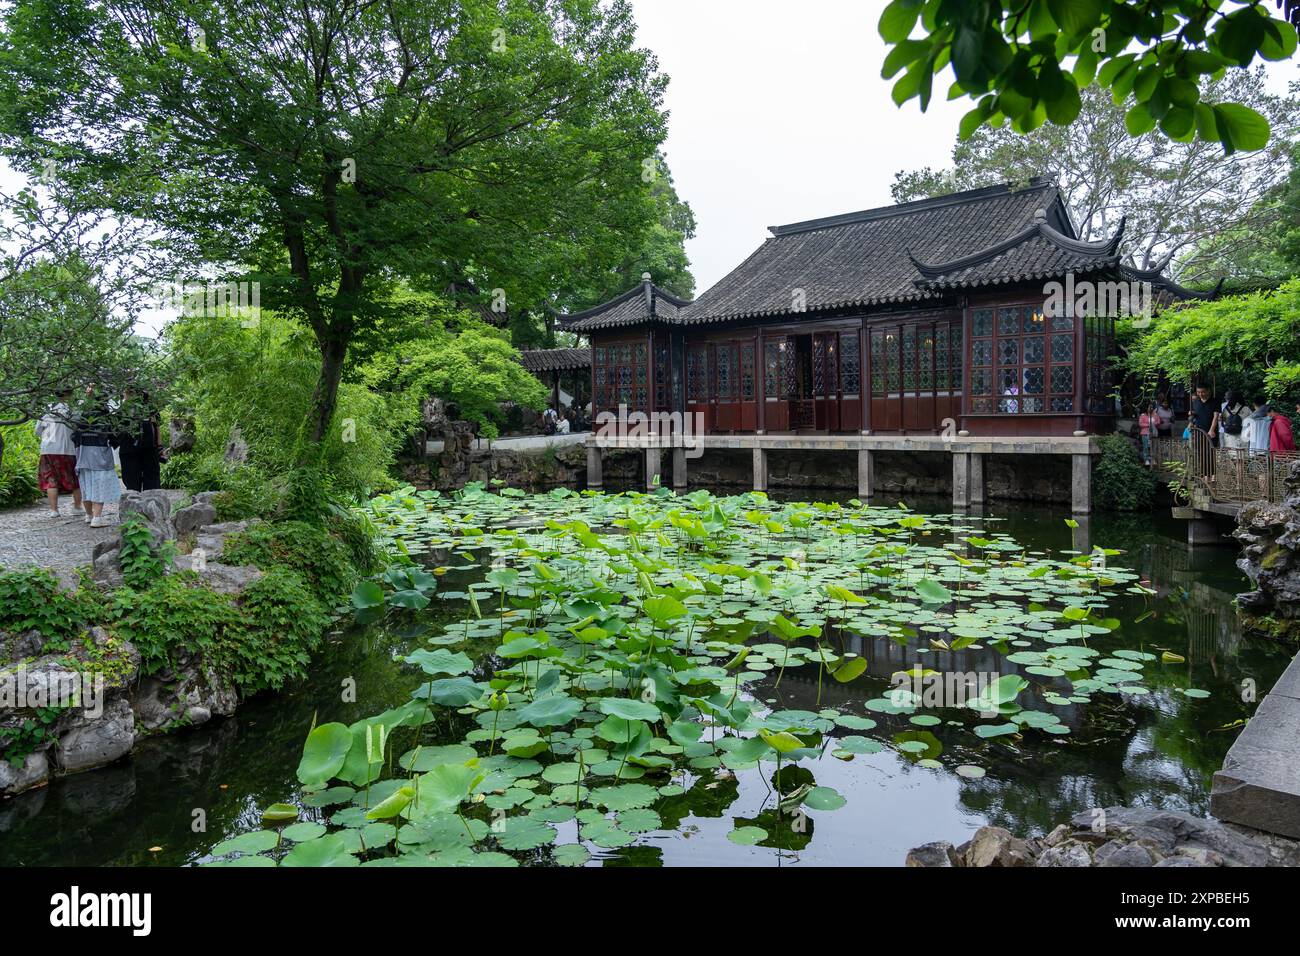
(1232, 424)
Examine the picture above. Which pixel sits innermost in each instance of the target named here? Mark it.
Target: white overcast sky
(779, 114)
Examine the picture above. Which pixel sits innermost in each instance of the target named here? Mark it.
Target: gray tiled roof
(1037, 252)
(865, 258)
(911, 252)
(551, 360)
(644, 302)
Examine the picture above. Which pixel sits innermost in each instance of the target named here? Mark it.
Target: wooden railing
(1226, 475)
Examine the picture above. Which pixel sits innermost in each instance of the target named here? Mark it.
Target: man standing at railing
(1280, 435)
(1205, 414)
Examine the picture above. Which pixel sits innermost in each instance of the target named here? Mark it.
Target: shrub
(141, 563)
(22, 452)
(322, 559)
(258, 641)
(31, 599)
(173, 614)
(1120, 482)
(244, 491)
(282, 623)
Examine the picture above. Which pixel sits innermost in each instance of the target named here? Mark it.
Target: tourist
(56, 470)
(1204, 413)
(1165, 414)
(562, 426)
(1280, 436)
(548, 421)
(1258, 428)
(1232, 414)
(139, 445)
(96, 474)
(1148, 430)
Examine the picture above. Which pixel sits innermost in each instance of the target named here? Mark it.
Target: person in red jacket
(1280, 436)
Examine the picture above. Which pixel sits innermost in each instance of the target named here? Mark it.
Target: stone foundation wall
(1043, 478)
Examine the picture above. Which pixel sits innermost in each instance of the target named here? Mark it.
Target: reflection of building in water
(1213, 628)
(886, 658)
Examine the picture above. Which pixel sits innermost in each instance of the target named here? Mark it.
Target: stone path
(518, 443)
(29, 539)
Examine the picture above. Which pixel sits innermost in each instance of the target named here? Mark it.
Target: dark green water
(1159, 750)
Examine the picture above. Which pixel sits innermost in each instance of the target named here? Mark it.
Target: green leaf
(393, 805)
(628, 708)
(1240, 127)
(823, 798)
(553, 711)
(329, 850)
(323, 754)
(850, 669)
(747, 836)
(1075, 16)
(367, 594)
(932, 592)
(443, 789)
(898, 19)
(441, 661)
(663, 609)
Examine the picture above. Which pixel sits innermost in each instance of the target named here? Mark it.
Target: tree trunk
(324, 400)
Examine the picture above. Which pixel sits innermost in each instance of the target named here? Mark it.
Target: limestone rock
(192, 518)
(1118, 853)
(21, 646)
(34, 772)
(236, 447)
(1057, 836)
(1065, 854)
(180, 436)
(154, 508)
(1270, 538)
(1170, 831)
(935, 854)
(99, 742)
(106, 563)
(995, 846)
(188, 693)
(222, 578)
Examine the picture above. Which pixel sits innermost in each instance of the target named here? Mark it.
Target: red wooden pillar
(864, 376)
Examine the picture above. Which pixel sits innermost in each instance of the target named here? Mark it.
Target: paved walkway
(517, 443)
(28, 538)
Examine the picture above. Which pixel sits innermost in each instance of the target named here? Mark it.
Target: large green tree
(67, 300)
(331, 147)
(1187, 203)
(1026, 61)
(1251, 341)
(1265, 250)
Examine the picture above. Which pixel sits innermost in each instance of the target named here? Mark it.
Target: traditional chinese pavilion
(886, 321)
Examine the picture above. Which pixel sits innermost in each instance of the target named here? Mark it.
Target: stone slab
(1288, 685)
(1259, 785)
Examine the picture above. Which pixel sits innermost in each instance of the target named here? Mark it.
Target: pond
(1094, 681)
